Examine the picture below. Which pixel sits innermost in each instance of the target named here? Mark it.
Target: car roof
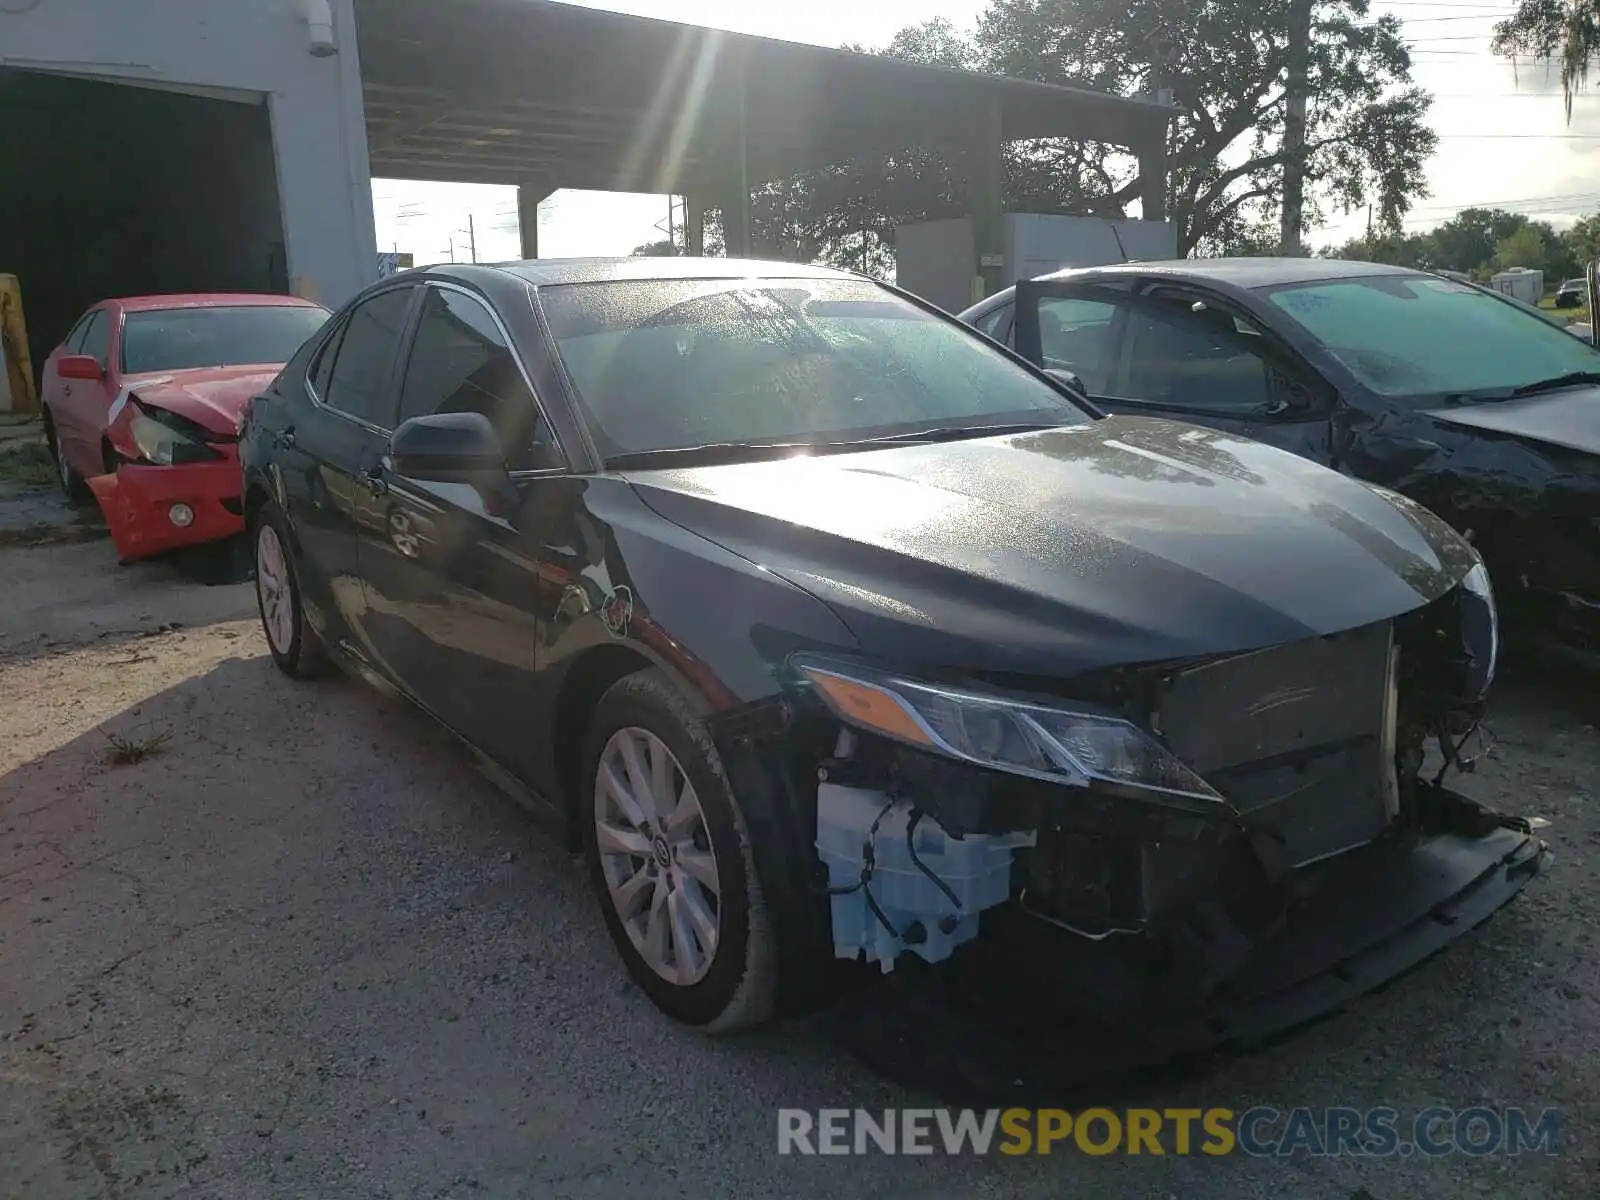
(211, 300)
(547, 272)
(1247, 272)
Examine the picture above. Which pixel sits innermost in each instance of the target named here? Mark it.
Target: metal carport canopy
(530, 91)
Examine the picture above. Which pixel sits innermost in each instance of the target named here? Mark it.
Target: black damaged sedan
(831, 630)
(1470, 402)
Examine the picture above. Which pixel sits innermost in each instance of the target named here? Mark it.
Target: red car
(142, 404)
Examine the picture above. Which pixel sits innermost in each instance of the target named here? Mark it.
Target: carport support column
(694, 225)
(1153, 179)
(986, 195)
(529, 197)
(736, 224)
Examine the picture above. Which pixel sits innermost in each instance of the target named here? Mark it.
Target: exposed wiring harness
(1451, 751)
(869, 863)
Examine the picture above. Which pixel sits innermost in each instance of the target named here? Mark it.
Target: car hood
(1120, 541)
(1570, 419)
(213, 397)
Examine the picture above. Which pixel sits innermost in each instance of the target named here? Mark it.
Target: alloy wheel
(272, 585)
(656, 856)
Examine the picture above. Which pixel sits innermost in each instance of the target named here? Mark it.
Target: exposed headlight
(166, 438)
(1061, 745)
(1480, 627)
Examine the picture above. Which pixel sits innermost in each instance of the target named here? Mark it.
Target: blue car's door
(1158, 349)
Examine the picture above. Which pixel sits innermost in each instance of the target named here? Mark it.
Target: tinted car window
(322, 369)
(1075, 335)
(460, 362)
(1419, 335)
(358, 383)
(97, 337)
(665, 364)
(995, 323)
(181, 339)
(1179, 358)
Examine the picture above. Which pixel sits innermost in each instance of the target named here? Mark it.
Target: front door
(1170, 351)
(451, 570)
(79, 406)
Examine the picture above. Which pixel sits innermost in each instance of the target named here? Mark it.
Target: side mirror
(1068, 378)
(448, 448)
(79, 366)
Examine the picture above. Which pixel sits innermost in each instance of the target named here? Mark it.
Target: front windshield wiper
(716, 452)
(1556, 382)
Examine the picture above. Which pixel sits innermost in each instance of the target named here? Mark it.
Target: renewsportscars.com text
(1261, 1131)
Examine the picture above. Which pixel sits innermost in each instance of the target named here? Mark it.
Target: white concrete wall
(239, 46)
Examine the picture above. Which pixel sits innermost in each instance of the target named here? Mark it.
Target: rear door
(336, 442)
(1168, 350)
(452, 573)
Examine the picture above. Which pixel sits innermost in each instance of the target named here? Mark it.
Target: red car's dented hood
(213, 397)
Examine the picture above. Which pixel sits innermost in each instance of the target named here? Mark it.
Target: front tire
(294, 644)
(669, 857)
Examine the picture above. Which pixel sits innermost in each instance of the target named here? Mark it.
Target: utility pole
(472, 237)
(1294, 126)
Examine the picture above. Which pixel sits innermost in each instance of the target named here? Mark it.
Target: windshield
(180, 339)
(1408, 335)
(670, 364)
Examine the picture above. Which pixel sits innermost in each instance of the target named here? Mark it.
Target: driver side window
(1075, 335)
(1180, 358)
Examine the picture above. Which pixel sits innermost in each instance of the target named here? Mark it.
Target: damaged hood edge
(1120, 542)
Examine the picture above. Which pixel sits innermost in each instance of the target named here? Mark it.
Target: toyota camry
(830, 629)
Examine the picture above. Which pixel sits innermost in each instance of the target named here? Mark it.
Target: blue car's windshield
(661, 365)
(1414, 335)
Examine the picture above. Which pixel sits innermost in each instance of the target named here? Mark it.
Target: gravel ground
(303, 950)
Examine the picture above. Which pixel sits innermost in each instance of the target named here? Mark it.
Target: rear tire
(295, 646)
(679, 874)
(67, 478)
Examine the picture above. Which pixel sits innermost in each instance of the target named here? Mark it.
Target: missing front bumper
(1025, 1015)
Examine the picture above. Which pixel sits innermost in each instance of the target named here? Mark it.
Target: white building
(174, 145)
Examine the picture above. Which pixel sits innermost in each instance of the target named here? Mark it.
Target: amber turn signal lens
(870, 707)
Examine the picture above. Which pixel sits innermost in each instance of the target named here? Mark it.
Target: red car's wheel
(72, 484)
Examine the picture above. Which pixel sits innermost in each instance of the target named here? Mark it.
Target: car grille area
(1298, 737)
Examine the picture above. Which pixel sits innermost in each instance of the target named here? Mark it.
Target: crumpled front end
(177, 483)
(153, 509)
(1250, 833)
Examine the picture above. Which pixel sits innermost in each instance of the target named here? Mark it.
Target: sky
(1504, 140)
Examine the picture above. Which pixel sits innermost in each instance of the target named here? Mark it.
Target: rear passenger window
(460, 362)
(1075, 334)
(357, 383)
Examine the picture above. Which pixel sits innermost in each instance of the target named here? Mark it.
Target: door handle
(66, 389)
(284, 438)
(373, 478)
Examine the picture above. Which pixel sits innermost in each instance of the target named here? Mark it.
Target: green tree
(1396, 249)
(1583, 239)
(661, 249)
(1367, 140)
(1468, 240)
(1567, 31)
(1524, 248)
